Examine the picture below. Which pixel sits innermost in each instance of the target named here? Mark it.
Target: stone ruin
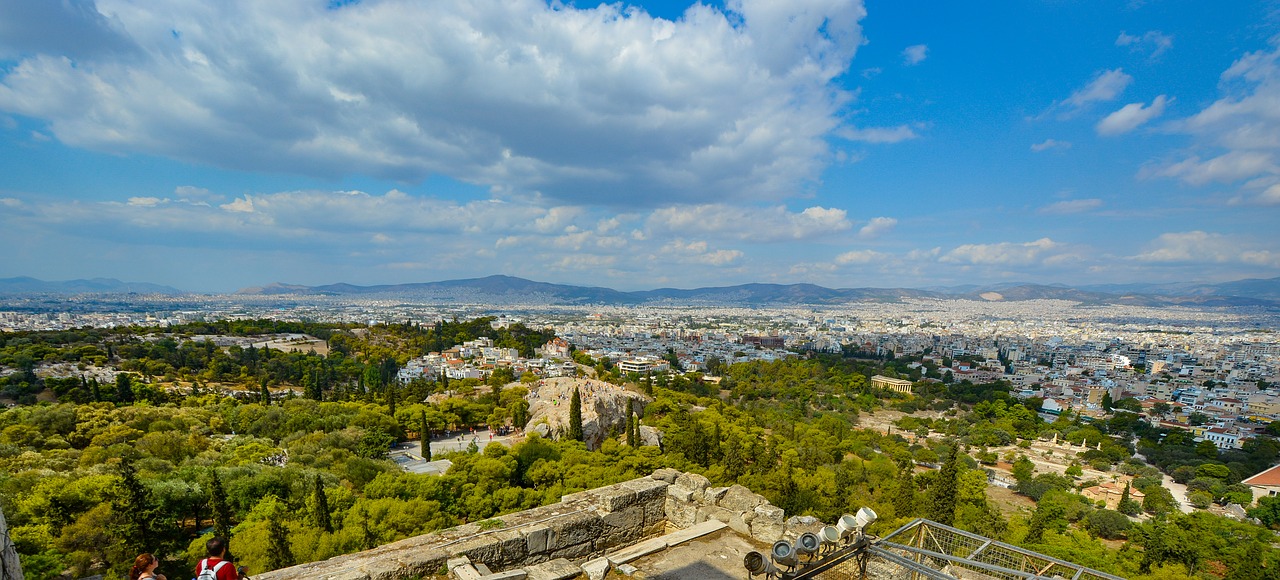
(582, 535)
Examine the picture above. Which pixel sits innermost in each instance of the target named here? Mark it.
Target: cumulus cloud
(1237, 137)
(1130, 117)
(1201, 246)
(914, 54)
(1048, 144)
(698, 252)
(1105, 86)
(750, 223)
(1153, 42)
(1003, 253)
(1070, 206)
(522, 96)
(877, 227)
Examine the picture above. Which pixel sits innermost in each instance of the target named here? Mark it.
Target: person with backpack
(217, 565)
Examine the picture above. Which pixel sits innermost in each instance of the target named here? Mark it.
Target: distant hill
(27, 285)
(511, 289)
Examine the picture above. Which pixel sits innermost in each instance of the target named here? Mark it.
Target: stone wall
(583, 525)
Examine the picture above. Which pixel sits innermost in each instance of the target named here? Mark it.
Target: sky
(212, 146)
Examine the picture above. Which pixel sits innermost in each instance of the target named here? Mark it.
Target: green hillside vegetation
(158, 462)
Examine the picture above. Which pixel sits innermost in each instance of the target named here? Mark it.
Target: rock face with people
(604, 410)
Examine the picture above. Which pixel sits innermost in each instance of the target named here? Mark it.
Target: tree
(1107, 402)
(904, 495)
(575, 416)
(424, 436)
(135, 505)
(124, 388)
(320, 507)
(942, 494)
(265, 395)
(1107, 524)
(1127, 506)
(631, 426)
(1161, 409)
(280, 555)
(218, 505)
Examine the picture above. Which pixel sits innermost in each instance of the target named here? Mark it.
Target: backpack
(207, 573)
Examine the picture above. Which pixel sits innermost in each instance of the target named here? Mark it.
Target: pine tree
(942, 494)
(279, 555)
(218, 505)
(134, 503)
(266, 394)
(716, 452)
(904, 497)
(575, 416)
(124, 388)
(320, 508)
(425, 436)
(735, 464)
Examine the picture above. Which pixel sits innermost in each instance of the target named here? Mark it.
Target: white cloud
(698, 252)
(878, 134)
(1200, 246)
(521, 96)
(1131, 116)
(860, 257)
(914, 54)
(1237, 137)
(1003, 254)
(1048, 144)
(1070, 206)
(750, 223)
(877, 227)
(1106, 86)
(10, 202)
(1154, 42)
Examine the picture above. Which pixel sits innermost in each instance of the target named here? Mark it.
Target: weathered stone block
(741, 499)
(513, 547)
(621, 527)
(680, 514)
(574, 552)
(681, 493)
(710, 512)
(572, 529)
(693, 481)
(614, 498)
(487, 549)
(713, 494)
(559, 569)
(741, 523)
(655, 512)
(535, 538)
(666, 474)
(768, 525)
(647, 489)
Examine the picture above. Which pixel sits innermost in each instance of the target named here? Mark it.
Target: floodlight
(830, 536)
(756, 563)
(807, 544)
(784, 554)
(865, 517)
(847, 525)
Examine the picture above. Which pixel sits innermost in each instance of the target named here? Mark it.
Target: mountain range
(1252, 292)
(508, 289)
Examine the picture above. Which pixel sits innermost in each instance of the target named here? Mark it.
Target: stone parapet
(581, 526)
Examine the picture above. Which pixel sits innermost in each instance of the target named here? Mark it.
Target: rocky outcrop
(604, 409)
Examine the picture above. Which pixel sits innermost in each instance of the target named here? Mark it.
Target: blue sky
(212, 146)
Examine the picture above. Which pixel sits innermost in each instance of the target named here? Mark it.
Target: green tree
(124, 388)
(1127, 506)
(904, 495)
(265, 394)
(320, 507)
(219, 508)
(942, 494)
(575, 416)
(1107, 402)
(280, 554)
(424, 435)
(134, 505)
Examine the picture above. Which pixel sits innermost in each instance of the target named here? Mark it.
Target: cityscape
(653, 289)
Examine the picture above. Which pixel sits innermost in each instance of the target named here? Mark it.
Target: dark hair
(140, 565)
(215, 547)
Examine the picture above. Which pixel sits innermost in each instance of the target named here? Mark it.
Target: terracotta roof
(1268, 477)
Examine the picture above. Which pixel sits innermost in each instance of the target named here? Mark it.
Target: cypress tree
(631, 427)
(635, 432)
(321, 507)
(904, 497)
(279, 555)
(425, 436)
(575, 416)
(942, 495)
(391, 399)
(218, 505)
(265, 394)
(134, 505)
(124, 388)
